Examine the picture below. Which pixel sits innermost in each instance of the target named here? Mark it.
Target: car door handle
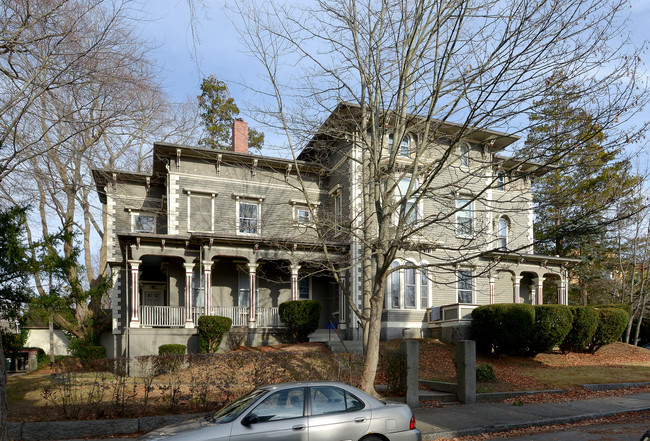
(359, 419)
(298, 427)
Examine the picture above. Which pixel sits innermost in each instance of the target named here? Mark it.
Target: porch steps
(333, 342)
(432, 395)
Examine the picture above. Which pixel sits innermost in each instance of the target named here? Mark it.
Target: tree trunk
(371, 358)
(4, 430)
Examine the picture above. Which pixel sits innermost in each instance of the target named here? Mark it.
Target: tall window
(394, 286)
(464, 288)
(411, 208)
(248, 217)
(200, 213)
(302, 215)
(409, 287)
(464, 217)
(424, 289)
(338, 211)
(144, 223)
(501, 181)
(502, 234)
(303, 288)
(464, 154)
(404, 146)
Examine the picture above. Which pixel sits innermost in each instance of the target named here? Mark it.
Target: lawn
(206, 383)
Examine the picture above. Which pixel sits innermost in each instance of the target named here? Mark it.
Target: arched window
(394, 286)
(409, 286)
(502, 234)
(464, 154)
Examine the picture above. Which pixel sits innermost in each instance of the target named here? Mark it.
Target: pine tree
(587, 190)
(218, 112)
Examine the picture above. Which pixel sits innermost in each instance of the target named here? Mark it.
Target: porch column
(252, 294)
(135, 294)
(343, 307)
(189, 269)
(491, 289)
(540, 291)
(533, 293)
(207, 286)
(516, 280)
(561, 298)
(294, 281)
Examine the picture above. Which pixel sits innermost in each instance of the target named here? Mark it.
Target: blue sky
(220, 52)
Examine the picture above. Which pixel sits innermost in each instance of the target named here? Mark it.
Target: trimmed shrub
(613, 322)
(212, 328)
(493, 326)
(625, 307)
(485, 373)
(301, 317)
(86, 351)
(552, 324)
(395, 369)
(585, 323)
(171, 349)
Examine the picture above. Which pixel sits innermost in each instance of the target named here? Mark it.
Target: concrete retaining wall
(54, 430)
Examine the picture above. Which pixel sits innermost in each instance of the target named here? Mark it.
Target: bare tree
(428, 75)
(104, 115)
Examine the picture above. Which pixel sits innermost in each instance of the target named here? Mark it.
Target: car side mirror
(249, 419)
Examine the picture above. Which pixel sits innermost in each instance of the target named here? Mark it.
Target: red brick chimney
(240, 136)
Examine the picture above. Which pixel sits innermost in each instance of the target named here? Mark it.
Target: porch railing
(456, 312)
(163, 316)
(268, 317)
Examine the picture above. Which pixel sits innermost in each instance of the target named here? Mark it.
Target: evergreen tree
(218, 112)
(588, 188)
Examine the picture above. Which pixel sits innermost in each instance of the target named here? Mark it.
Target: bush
(212, 328)
(493, 325)
(552, 324)
(171, 349)
(86, 351)
(301, 317)
(485, 373)
(395, 369)
(613, 322)
(585, 323)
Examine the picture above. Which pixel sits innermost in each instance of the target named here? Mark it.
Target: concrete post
(411, 349)
(466, 371)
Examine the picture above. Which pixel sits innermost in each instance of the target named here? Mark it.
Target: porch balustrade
(174, 316)
(162, 316)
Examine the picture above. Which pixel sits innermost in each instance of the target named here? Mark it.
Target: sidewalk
(473, 419)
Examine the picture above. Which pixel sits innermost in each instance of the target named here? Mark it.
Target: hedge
(171, 349)
(493, 325)
(301, 317)
(552, 324)
(585, 324)
(212, 328)
(612, 323)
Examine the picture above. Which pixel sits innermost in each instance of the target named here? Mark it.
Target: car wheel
(371, 438)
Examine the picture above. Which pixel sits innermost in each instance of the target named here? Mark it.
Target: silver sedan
(309, 411)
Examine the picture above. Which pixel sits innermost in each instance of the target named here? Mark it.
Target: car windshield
(234, 409)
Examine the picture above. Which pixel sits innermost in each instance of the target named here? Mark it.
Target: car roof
(278, 386)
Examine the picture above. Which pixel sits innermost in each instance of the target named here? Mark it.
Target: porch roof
(532, 258)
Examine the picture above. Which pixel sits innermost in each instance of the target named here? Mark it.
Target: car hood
(195, 429)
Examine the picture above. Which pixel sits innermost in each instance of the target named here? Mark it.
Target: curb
(472, 431)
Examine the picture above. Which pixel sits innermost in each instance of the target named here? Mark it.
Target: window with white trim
(464, 217)
(394, 286)
(501, 181)
(409, 286)
(143, 222)
(248, 215)
(424, 288)
(200, 212)
(464, 286)
(410, 208)
(502, 234)
(464, 154)
(404, 145)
